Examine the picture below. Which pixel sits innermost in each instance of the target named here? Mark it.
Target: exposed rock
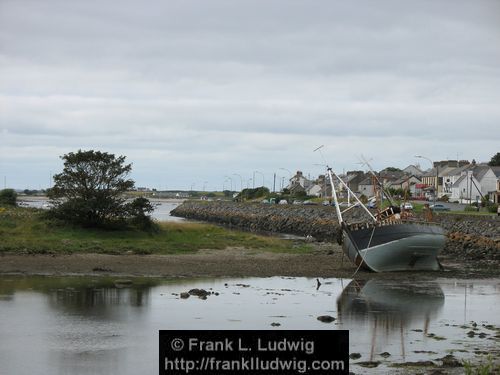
(450, 361)
(368, 364)
(385, 354)
(355, 356)
(326, 318)
(436, 372)
(414, 364)
(202, 293)
(184, 295)
(275, 324)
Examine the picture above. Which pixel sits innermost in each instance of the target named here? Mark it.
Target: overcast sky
(193, 91)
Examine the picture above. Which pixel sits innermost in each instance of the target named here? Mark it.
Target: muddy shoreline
(326, 260)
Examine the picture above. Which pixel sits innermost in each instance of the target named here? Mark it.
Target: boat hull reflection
(386, 310)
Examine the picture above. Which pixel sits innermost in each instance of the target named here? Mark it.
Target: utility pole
(274, 183)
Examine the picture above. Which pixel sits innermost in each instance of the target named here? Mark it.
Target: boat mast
(389, 197)
(354, 195)
(334, 195)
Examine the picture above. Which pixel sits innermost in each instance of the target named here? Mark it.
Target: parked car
(283, 201)
(438, 207)
(326, 203)
(407, 206)
(297, 202)
(372, 205)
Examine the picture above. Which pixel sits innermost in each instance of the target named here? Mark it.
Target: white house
(473, 182)
(314, 190)
(299, 180)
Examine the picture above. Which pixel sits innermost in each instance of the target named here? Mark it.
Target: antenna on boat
(321, 153)
(334, 192)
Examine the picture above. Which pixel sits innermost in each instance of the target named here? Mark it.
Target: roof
(480, 170)
(446, 171)
(413, 168)
(458, 170)
(402, 180)
(459, 181)
(366, 181)
(496, 171)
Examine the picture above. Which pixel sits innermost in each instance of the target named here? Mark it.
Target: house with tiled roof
(413, 170)
(475, 181)
(406, 183)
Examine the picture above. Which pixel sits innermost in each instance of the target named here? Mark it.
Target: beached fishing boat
(388, 241)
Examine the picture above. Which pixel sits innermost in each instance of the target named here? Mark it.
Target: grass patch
(468, 213)
(23, 230)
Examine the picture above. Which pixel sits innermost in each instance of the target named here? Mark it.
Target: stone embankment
(472, 237)
(469, 237)
(316, 221)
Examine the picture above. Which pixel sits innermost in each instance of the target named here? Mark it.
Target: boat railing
(370, 225)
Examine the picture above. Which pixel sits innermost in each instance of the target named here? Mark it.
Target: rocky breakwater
(316, 221)
(469, 237)
(472, 237)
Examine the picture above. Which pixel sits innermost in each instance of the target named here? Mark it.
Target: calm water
(161, 212)
(77, 325)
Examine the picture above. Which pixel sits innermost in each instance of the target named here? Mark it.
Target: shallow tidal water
(161, 212)
(96, 325)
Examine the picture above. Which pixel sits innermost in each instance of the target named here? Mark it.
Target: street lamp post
(436, 182)
(262, 174)
(241, 180)
(289, 175)
(231, 180)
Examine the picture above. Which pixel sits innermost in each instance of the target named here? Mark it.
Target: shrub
(8, 197)
(470, 208)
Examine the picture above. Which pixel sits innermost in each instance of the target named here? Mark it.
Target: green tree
(139, 211)
(495, 160)
(90, 191)
(8, 197)
(254, 193)
(392, 169)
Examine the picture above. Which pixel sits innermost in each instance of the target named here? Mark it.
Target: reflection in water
(389, 308)
(97, 325)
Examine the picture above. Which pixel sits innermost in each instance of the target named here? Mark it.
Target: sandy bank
(324, 261)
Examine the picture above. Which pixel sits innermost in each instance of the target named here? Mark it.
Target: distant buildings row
(459, 180)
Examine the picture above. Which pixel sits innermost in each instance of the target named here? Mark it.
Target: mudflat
(326, 260)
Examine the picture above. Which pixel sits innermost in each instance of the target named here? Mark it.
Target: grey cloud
(234, 85)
